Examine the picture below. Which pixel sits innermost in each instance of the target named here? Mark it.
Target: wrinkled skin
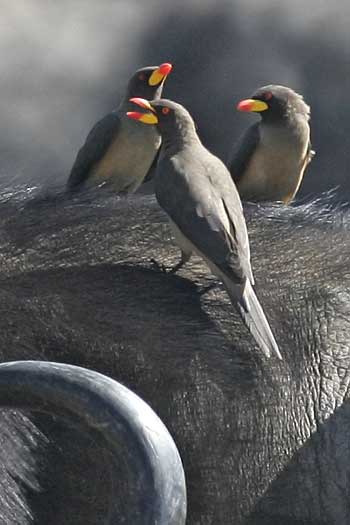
(263, 442)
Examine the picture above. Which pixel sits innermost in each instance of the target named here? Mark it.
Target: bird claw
(159, 266)
(162, 268)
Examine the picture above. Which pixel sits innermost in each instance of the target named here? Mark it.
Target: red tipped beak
(164, 69)
(147, 118)
(143, 103)
(251, 104)
(245, 105)
(136, 115)
(160, 74)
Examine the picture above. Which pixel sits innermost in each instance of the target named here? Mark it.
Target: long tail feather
(254, 318)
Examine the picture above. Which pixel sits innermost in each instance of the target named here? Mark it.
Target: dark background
(65, 64)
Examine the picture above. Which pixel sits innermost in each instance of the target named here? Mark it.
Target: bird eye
(268, 95)
(141, 76)
(165, 111)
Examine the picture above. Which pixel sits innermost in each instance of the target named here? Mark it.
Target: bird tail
(253, 316)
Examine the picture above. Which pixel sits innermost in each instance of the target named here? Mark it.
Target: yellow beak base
(156, 78)
(148, 118)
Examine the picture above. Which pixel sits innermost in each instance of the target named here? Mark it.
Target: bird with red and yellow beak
(197, 192)
(117, 151)
(269, 162)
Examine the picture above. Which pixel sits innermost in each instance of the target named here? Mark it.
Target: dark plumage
(117, 150)
(196, 191)
(269, 161)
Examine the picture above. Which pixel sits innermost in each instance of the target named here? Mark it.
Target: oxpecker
(269, 161)
(117, 150)
(196, 191)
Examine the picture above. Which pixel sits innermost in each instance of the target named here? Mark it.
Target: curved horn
(118, 416)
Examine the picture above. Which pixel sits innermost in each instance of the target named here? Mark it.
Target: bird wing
(201, 199)
(96, 144)
(243, 151)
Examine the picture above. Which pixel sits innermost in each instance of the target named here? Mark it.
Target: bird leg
(209, 288)
(185, 257)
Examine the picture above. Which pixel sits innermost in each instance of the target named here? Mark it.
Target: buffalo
(262, 441)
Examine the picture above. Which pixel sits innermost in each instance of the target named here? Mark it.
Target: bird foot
(162, 268)
(159, 266)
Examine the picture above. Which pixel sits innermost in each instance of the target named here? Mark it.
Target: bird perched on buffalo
(117, 150)
(196, 191)
(269, 161)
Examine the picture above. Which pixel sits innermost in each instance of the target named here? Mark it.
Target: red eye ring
(268, 95)
(141, 76)
(165, 111)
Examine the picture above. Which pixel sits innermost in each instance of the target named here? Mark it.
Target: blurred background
(65, 64)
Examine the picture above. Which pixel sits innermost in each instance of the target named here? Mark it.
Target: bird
(196, 191)
(116, 150)
(269, 161)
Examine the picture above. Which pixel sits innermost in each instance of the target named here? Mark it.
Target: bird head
(275, 103)
(166, 114)
(173, 121)
(148, 82)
